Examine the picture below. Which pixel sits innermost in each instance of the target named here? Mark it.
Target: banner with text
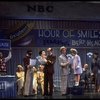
(56, 38)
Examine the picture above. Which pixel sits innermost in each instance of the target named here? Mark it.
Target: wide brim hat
(20, 66)
(63, 47)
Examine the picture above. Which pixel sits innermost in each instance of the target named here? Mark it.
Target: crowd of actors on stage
(41, 74)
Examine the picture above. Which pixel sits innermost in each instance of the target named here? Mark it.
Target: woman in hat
(20, 79)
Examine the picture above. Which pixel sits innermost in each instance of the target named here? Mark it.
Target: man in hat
(48, 72)
(63, 61)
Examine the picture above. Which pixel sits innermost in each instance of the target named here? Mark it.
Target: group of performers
(40, 74)
(29, 77)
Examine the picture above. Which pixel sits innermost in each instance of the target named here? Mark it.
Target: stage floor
(57, 95)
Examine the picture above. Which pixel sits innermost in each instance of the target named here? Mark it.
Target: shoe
(77, 84)
(26, 95)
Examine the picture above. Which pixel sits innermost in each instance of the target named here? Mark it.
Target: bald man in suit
(48, 72)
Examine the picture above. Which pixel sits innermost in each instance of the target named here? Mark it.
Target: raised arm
(9, 56)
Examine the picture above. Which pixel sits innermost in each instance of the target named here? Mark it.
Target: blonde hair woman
(76, 65)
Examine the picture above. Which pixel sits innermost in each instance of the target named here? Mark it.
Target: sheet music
(32, 62)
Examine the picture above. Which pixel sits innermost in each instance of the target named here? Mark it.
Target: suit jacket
(63, 61)
(49, 67)
(95, 66)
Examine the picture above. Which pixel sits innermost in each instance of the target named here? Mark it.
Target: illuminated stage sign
(5, 44)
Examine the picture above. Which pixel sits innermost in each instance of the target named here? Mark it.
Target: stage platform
(57, 95)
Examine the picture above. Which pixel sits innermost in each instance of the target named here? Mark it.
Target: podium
(8, 87)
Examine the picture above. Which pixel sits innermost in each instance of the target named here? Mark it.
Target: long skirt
(28, 90)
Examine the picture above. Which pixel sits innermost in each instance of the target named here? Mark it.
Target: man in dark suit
(95, 66)
(48, 72)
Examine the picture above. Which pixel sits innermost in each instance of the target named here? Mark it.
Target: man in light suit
(64, 63)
